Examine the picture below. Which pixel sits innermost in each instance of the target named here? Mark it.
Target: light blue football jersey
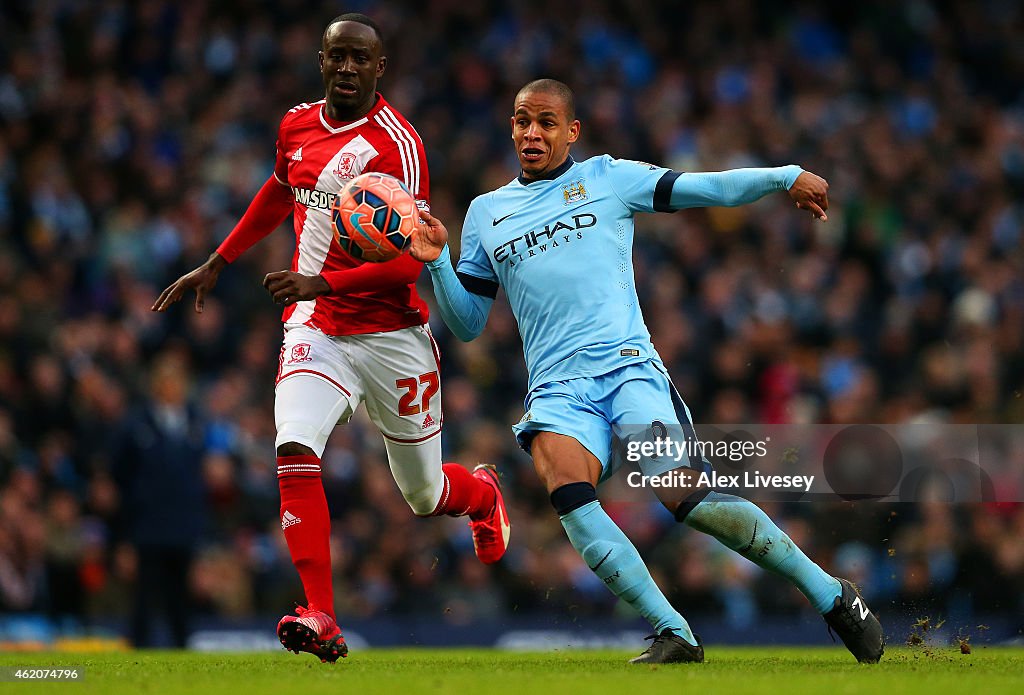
(563, 250)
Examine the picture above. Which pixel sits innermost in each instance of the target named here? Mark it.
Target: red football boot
(312, 631)
(491, 533)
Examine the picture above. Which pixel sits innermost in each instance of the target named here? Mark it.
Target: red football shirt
(316, 157)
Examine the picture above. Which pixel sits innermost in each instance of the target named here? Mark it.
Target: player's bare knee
(294, 449)
(561, 460)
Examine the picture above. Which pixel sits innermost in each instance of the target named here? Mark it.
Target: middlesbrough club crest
(300, 353)
(346, 166)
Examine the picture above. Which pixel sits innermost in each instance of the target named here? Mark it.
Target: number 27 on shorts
(407, 405)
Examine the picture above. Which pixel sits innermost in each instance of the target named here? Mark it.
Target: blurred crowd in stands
(133, 135)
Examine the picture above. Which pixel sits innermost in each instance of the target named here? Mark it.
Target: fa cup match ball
(373, 217)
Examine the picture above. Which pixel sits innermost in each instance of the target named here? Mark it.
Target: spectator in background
(22, 544)
(157, 462)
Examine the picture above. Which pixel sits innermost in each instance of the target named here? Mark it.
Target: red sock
(307, 527)
(463, 494)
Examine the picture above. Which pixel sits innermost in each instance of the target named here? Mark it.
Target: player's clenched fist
(288, 287)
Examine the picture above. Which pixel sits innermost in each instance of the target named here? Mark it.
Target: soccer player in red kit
(354, 332)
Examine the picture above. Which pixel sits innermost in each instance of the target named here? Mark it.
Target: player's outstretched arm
(268, 209)
(742, 186)
(201, 280)
(463, 311)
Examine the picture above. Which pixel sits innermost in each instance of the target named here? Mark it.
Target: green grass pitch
(789, 671)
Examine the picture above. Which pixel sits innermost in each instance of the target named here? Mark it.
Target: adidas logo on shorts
(428, 422)
(289, 519)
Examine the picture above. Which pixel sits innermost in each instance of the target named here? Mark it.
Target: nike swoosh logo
(506, 528)
(356, 220)
(594, 568)
(495, 222)
(750, 545)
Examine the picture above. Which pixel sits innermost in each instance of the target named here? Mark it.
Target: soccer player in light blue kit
(559, 239)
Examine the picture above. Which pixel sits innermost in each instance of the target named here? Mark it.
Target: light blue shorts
(612, 414)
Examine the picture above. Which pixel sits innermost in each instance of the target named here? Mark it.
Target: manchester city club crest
(574, 192)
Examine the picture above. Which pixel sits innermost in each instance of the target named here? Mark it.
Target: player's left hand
(810, 192)
(288, 287)
(428, 239)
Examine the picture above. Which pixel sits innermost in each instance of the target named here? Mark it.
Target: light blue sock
(611, 556)
(740, 525)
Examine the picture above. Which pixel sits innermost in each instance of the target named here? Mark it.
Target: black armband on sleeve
(480, 286)
(663, 191)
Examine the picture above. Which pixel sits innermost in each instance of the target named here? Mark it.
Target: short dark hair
(559, 89)
(361, 19)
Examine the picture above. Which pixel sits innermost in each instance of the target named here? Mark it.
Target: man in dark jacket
(158, 466)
